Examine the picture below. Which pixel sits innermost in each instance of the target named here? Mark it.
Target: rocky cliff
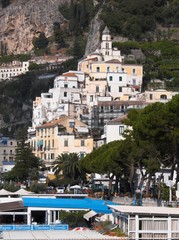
(93, 40)
(23, 20)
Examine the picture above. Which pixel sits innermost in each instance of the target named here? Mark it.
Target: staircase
(108, 228)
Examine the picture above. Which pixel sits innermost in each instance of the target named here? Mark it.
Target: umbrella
(75, 187)
(23, 192)
(4, 192)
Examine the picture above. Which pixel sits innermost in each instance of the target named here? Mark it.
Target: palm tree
(59, 162)
(68, 164)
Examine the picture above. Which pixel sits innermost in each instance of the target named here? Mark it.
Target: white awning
(89, 215)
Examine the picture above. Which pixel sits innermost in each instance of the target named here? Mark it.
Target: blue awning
(99, 206)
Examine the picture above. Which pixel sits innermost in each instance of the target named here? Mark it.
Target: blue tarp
(99, 206)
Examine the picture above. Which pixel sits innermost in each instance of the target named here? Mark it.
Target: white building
(141, 223)
(57, 101)
(7, 153)
(114, 129)
(13, 69)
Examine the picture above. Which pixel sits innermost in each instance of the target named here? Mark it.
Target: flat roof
(54, 235)
(145, 210)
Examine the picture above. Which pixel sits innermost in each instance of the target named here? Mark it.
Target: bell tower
(106, 43)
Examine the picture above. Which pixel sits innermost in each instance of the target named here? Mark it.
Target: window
(121, 130)
(120, 79)
(91, 98)
(65, 143)
(65, 85)
(82, 155)
(134, 82)
(108, 69)
(110, 78)
(65, 94)
(71, 124)
(107, 45)
(151, 96)
(82, 143)
(10, 151)
(98, 69)
(111, 108)
(97, 88)
(120, 89)
(133, 71)
(4, 151)
(109, 88)
(52, 156)
(163, 97)
(53, 143)
(11, 143)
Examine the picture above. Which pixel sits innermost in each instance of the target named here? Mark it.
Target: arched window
(163, 96)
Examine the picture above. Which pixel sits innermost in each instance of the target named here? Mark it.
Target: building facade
(7, 153)
(63, 135)
(7, 71)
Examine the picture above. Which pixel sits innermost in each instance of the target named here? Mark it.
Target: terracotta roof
(94, 59)
(135, 86)
(113, 61)
(69, 74)
(62, 121)
(53, 122)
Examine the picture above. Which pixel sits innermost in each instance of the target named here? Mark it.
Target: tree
(173, 132)
(155, 132)
(41, 42)
(68, 164)
(105, 160)
(27, 165)
(59, 35)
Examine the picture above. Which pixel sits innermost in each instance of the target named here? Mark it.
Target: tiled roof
(62, 121)
(69, 74)
(53, 122)
(113, 61)
(94, 59)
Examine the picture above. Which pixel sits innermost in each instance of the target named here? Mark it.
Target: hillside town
(87, 109)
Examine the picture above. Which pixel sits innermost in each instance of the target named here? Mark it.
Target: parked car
(60, 189)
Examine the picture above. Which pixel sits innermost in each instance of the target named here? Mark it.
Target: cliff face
(23, 20)
(93, 41)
